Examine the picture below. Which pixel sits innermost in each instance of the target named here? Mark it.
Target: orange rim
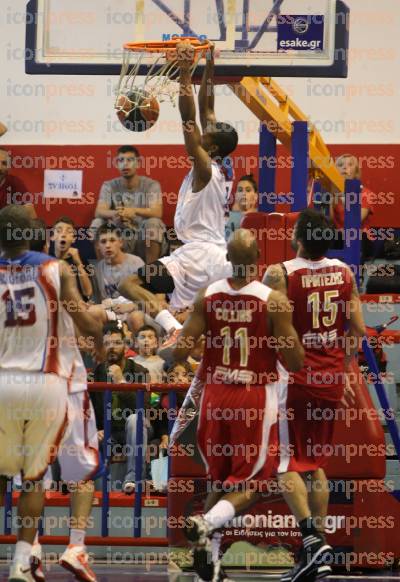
(166, 46)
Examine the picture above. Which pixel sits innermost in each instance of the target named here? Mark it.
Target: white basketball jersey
(36, 330)
(200, 216)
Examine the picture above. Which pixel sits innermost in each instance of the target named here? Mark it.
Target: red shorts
(306, 426)
(238, 431)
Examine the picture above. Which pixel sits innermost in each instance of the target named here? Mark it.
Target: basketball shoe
(198, 532)
(314, 562)
(76, 560)
(19, 573)
(36, 563)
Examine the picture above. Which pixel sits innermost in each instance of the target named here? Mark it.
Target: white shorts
(78, 455)
(33, 420)
(194, 266)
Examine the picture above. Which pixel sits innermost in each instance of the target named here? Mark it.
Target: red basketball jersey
(239, 348)
(320, 292)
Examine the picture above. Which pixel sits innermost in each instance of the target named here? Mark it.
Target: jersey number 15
(20, 311)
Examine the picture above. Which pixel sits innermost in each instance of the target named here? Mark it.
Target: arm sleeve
(105, 194)
(153, 194)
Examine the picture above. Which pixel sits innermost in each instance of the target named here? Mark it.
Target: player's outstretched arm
(275, 279)
(280, 320)
(72, 302)
(192, 330)
(187, 108)
(206, 93)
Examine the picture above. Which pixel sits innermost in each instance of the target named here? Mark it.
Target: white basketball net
(161, 81)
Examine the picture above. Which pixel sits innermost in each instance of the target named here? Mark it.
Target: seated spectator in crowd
(147, 342)
(348, 166)
(246, 201)
(12, 188)
(118, 369)
(178, 373)
(64, 236)
(134, 203)
(114, 266)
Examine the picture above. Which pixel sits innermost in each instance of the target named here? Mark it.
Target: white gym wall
(362, 109)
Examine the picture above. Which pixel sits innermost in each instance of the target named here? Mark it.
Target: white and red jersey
(320, 292)
(239, 348)
(37, 333)
(200, 216)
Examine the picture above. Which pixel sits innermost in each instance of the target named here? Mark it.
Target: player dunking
(246, 326)
(200, 211)
(34, 369)
(327, 315)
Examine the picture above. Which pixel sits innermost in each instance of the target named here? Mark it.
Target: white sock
(218, 515)
(215, 545)
(167, 321)
(36, 540)
(77, 537)
(22, 553)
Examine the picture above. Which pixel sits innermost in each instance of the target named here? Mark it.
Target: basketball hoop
(161, 82)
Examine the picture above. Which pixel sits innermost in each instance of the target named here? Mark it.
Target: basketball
(137, 111)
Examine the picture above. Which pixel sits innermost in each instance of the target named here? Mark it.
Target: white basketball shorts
(33, 420)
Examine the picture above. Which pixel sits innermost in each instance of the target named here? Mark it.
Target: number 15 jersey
(36, 332)
(319, 292)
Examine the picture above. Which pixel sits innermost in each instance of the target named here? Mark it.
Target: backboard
(255, 37)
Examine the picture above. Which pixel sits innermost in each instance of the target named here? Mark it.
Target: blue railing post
(382, 396)
(267, 170)
(8, 507)
(105, 509)
(137, 514)
(352, 226)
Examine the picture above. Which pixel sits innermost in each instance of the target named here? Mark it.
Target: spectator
(64, 236)
(147, 342)
(117, 369)
(246, 201)
(114, 266)
(348, 166)
(178, 373)
(12, 188)
(133, 202)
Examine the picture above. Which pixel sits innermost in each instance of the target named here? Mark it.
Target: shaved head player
(246, 326)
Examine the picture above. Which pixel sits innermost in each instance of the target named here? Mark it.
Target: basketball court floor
(110, 573)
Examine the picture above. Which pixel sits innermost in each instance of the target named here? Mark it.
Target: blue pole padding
(299, 175)
(383, 399)
(8, 508)
(267, 170)
(352, 225)
(137, 514)
(106, 483)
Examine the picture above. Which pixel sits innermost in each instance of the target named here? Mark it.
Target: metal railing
(105, 538)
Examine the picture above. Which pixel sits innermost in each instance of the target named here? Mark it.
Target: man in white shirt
(200, 212)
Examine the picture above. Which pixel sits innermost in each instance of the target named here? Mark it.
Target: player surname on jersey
(322, 280)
